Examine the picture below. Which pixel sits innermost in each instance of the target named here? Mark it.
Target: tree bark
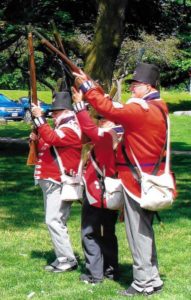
(107, 41)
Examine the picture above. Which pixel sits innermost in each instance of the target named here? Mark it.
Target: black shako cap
(61, 101)
(146, 73)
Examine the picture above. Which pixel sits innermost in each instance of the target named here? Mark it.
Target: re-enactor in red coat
(99, 241)
(66, 139)
(145, 132)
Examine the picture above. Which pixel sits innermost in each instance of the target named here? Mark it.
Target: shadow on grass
(181, 106)
(49, 257)
(21, 203)
(125, 270)
(20, 199)
(181, 165)
(125, 275)
(179, 146)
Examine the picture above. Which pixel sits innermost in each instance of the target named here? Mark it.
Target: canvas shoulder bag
(157, 191)
(112, 188)
(72, 186)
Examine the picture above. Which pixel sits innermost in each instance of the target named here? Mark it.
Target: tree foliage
(102, 36)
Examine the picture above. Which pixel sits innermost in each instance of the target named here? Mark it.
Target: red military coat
(67, 140)
(102, 141)
(144, 131)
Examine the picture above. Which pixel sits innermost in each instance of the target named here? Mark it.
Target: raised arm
(88, 126)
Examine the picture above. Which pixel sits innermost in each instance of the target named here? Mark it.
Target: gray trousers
(57, 213)
(141, 240)
(99, 241)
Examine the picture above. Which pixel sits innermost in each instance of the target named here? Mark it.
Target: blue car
(25, 103)
(10, 110)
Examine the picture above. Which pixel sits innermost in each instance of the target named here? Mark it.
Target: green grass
(180, 131)
(15, 129)
(45, 96)
(176, 100)
(26, 246)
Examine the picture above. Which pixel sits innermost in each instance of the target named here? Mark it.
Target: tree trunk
(14, 146)
(107, 41)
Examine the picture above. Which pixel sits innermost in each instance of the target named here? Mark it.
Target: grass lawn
(176, 100)
(180, 131)
(45, 96)
(26, 247)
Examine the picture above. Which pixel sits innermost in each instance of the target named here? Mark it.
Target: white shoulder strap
(167, 165)
(167, 161)
(95, 165)
(61, 167)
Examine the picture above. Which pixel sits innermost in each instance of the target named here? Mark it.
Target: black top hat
(61, 101)
(146, 73)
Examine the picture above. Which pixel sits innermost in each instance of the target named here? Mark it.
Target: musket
(67, 79)
(32, 156)
(57, 37)
(70, 66)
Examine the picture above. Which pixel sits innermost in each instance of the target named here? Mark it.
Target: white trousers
(57, 213)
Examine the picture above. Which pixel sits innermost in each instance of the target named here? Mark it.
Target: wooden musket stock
(32, 156)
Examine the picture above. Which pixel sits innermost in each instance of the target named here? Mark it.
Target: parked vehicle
(10, 110)
(24, 101)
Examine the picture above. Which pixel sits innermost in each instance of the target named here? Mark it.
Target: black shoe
(89, 279)
(65, 268)
(111, 273)
(62, 264)
(130, 292)
(158, 289)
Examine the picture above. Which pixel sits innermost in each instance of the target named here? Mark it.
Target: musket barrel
(57, 37)
(45, 42)
(32, 69)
